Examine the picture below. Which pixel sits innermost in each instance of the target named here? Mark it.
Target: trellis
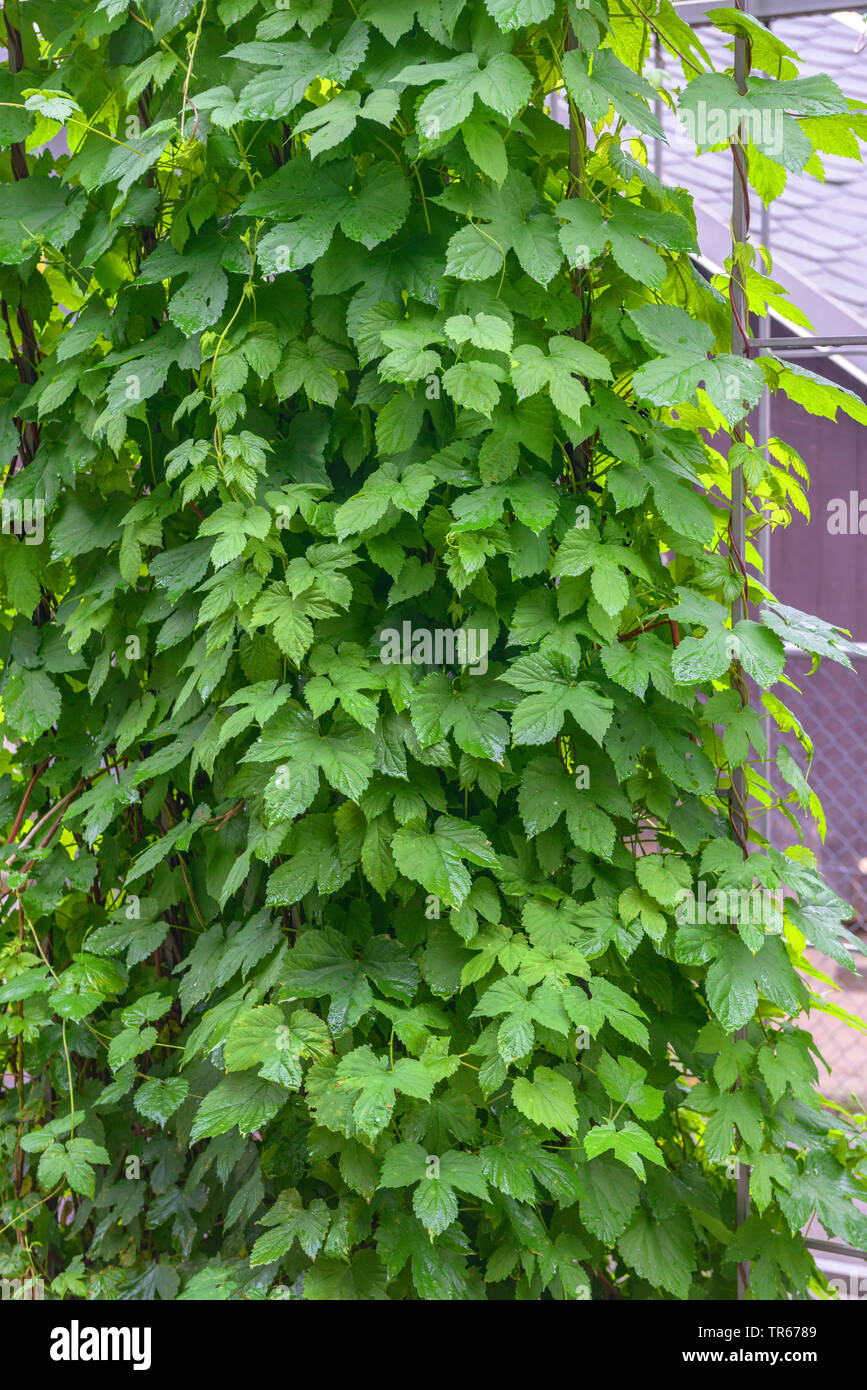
(745, 344)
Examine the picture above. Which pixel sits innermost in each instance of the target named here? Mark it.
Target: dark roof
(816, 231)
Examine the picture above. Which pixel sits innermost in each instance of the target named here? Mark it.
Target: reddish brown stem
(24, 800)
(648, 627)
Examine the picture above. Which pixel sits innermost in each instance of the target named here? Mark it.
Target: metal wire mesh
(832, 706)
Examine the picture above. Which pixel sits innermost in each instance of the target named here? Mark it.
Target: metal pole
(807, 341)
(836, 1247)
(740, 345)
(764, 538)
(659, 62)
(823, 354)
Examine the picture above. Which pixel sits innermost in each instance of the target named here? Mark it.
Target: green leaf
(664, 876)
(290, 1221)
(323, 962)
(360, 1279)
(734, 384)
(31, 703)
(567, 360)
(557, 691)
(486, 148)
(609, 1195)
(662, 1252)
(549, 1100)
(238, 1100)
(158, 1098)
(73, 1161)
(630, 1144)
(623, 1079)
(736, 977)
(435, 858)
(435, 1205)
(375, 1086)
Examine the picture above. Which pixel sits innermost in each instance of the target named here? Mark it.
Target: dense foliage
(372, 699)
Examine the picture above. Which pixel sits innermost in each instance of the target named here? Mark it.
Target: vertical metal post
(577, 134)
(764, 538)
(657, 108)
(740, 328)
(579, 455)
(764, 421)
